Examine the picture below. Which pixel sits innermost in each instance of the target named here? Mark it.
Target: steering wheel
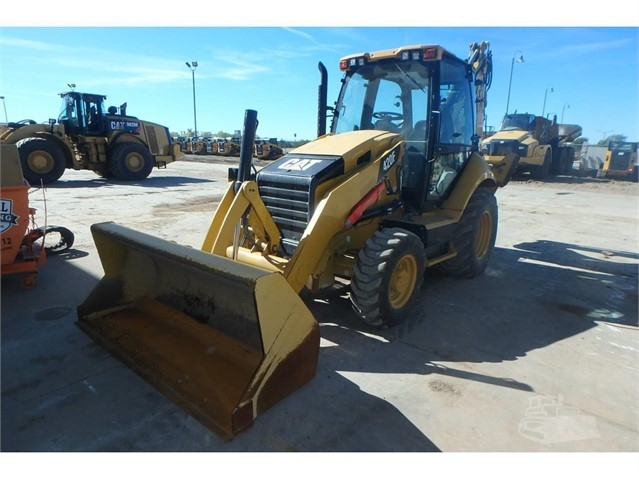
(388, 115)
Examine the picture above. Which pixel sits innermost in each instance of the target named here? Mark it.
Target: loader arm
(232, 208)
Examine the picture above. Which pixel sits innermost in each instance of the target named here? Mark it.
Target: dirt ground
(539, 354)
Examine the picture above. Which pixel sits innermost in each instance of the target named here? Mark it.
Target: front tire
(475, 236)
(42, 161)
(387, 275)
(130, 162)
(541, 172)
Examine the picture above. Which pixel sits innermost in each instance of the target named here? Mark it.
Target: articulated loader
(396, 186)
(89, 136)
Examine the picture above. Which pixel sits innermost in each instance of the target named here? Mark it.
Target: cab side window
(456, 106)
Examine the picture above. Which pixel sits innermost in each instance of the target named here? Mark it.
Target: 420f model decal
(388, 161)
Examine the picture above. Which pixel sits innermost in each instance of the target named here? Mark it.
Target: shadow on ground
(150, 182)
(62, 392)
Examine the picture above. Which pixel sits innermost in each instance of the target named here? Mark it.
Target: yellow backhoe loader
(397, 185)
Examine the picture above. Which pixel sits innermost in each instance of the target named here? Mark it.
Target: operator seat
(418, 133)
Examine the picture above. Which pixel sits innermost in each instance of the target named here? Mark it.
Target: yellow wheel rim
(484, 235)
(40, 162)
(402, 282)
(134, 162)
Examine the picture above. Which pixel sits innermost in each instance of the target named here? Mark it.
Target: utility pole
(192, 66)
(6, 119)
(605, 132)
(520, 59)
(548, 90)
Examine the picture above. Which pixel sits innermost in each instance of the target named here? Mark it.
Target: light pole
(192, 66)
(519, 59)
(6, 119)
(605, 132)
(562, 112)
(548, 90)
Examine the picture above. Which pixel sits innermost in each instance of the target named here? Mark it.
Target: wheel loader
(88, 136)
(396, 186)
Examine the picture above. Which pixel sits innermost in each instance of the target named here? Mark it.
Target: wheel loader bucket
(222, 339)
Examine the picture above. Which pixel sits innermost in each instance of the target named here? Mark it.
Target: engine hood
(518, 135)
(355, 147)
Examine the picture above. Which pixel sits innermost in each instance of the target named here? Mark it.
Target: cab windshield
(518, 122)
(68, 111)
(394, 96)
(384, 96)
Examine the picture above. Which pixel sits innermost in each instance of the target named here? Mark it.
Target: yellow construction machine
(268, 149)
(229, 146)
(396, 186)
(544, 146)
(621, 161)
(88, 136)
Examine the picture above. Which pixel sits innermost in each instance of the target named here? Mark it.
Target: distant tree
(612, 138)
(292, 144)
(223, 134)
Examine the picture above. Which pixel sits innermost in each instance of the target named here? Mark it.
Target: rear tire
(475, 236)
(387, 275)
(42, 161)
(130, 162)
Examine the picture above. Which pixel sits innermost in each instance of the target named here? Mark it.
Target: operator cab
(424, 94)
(83, 114)
(518, 121)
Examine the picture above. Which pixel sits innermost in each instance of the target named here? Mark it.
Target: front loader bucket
(222, 339)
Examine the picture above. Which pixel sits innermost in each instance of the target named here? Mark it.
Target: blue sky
(592, 70)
